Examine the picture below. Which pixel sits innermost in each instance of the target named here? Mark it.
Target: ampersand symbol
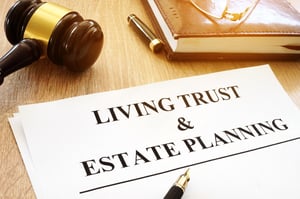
(183, 124)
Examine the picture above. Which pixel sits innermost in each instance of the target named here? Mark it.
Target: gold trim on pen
(183, 180)
(156, 45)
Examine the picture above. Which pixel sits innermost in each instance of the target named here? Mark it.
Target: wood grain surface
(124, 62)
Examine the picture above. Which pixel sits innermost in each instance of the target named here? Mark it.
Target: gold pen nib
(183, 180)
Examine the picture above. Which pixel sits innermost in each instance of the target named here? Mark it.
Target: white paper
(87, 147)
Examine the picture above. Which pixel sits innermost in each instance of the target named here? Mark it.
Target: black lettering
(154, 150)
(256, 130)
(219, 139)
(184, 98)
(266, 127)
(234, 90)
(282, 126)
(198, 97)
(189, 143)
(138, 110)
(210, 97)
(113, 114)
(231, 135)
(224, 94)
(126, 113)
(168, 107)
(110, 166)
(148, 106)
(121, 158)
(98, 119)
(139, 156)
(169, 147)
(89, 167)
(244, 131)
(202, 143)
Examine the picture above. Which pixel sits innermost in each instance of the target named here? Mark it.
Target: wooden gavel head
(40, 29)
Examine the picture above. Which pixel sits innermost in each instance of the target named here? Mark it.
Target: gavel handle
(19, 56)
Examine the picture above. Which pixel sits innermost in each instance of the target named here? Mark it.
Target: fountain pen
(178, 188)
(155, 44)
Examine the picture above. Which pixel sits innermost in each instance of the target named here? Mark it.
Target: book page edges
(230, 44)
(260, 47)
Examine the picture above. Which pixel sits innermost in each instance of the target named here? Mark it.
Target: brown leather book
(227, 29)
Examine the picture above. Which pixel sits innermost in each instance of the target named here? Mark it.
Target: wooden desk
(124, 62)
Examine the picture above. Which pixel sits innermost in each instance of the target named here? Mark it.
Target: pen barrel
(141, 27)
(175, 192)
(145, 33)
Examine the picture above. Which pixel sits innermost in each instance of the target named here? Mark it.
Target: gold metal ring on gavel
(43, 22)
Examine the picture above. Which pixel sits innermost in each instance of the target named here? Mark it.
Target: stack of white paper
(237, 131)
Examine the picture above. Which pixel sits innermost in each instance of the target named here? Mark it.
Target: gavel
(39, 29)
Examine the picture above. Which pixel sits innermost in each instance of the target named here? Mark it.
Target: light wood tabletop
(125, 61)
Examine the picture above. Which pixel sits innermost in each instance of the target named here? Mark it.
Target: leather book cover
(267, 23)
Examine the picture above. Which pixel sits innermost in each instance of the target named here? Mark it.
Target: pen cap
(155, 44)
